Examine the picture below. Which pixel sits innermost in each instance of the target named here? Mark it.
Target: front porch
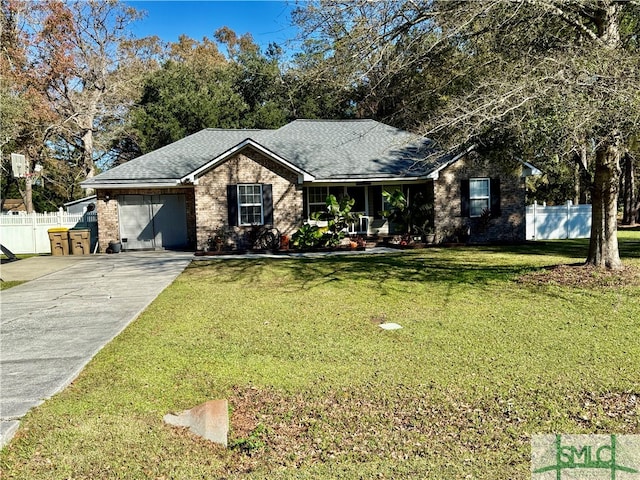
(369, 204)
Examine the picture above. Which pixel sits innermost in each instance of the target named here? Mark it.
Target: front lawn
(316, 389)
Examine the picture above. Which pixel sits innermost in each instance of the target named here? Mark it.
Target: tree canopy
(528, 77)
(548, 81)
(70, 70)
(199, 87)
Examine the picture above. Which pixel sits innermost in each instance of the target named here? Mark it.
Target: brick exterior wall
(249, 166)
(449, 223)
(207, 209)
(108, 226)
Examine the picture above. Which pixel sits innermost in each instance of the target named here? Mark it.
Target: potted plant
(284, 242)
(430, 236)
(218, 239)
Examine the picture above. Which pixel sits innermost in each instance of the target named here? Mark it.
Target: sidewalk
(53, 325)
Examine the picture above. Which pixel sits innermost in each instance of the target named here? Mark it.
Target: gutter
(111, 186)
(366, 181)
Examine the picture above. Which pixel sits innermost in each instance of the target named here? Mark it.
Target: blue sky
(267, 21)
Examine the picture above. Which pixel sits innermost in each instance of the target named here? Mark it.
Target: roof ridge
(217, 129)
(332, 120)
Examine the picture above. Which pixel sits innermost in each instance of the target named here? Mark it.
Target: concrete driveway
(53, 325)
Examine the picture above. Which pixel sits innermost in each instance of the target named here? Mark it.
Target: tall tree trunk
(577, 174)
(87, 156)
(582, 178)
(603, 247)
(628, 191)
(28, 193)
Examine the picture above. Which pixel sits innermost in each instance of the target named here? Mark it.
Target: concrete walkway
(38, 266)
(53, 325)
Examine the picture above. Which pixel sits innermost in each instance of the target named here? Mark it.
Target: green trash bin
(59, 240)
(80, 240)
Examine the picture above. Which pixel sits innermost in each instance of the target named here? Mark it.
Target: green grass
(318, 390)
(9, 284)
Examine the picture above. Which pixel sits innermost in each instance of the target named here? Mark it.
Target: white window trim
(310, 203)
(486, 197)
(240, 204)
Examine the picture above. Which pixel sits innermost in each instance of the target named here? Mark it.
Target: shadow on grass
(465, 265)
(413, 268)
(629, 242)
(382, 269)
(574, 250)
(571, 249)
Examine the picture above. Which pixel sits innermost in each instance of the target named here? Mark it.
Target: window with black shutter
(250, 204)
(495, 197)
(464, 197)
(479, 196)
(267, 204)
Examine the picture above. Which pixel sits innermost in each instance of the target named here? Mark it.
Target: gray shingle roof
(176, 160)
(350, 149)
(327, 149)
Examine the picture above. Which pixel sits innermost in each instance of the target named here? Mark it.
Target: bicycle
(266, 237)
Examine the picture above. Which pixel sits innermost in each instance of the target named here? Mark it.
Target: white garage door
(152, 221)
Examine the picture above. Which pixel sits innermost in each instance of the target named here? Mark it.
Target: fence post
(34, 227)
(568, 221)
(535, 220)
(60, 213)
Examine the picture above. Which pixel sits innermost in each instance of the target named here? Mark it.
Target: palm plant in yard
(412, 218)
(337, 215)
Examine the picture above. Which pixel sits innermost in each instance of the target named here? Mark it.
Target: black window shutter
(305, 202)
(495, 197)
(267, 204)
(232, 204)
(464, 198)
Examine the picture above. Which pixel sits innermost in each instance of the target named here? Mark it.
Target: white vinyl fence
(27, 233)
(559, 222)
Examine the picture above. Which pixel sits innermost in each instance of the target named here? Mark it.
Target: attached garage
(149, 222)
